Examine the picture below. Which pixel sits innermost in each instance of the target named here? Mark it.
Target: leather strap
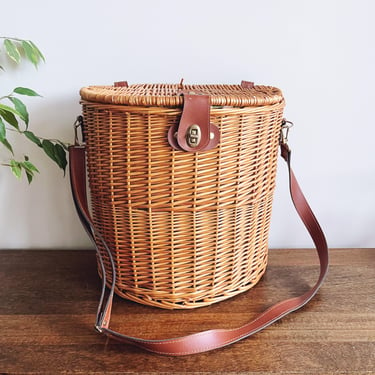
(211, 339)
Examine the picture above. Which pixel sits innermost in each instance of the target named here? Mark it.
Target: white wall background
(320, 53)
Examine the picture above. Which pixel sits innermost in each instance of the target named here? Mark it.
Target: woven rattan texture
(185, 229)
(169, 95)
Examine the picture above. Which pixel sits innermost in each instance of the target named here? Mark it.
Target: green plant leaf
(29, 176)
(29, 169)
(27, 165)
(7, 145)
(56, 152)
(6, 108)
(2, 130)
(60, 155)
(9, 118)
(65, 146)
(12, 50)
(37, 50)
(49, 149)
(30, 53)
(20, 108)
(25, 91)
(16, 168)
(32, 137)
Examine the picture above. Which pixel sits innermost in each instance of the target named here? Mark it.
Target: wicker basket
(186, 229)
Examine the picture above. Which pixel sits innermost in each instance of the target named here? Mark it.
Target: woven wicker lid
(170, 94)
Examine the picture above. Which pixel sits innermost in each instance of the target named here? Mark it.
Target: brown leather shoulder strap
(211, 339)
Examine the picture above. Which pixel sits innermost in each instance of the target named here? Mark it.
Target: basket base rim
(185, 304)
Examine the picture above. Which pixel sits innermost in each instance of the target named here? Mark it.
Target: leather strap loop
(247, 84)
(121, 84)
(211, 339)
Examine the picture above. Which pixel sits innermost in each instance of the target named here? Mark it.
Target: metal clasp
(285, 127)
(193, 135)
(78, 124)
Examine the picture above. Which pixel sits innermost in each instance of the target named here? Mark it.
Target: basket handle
(211, 339)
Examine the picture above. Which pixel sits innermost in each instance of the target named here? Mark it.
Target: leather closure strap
(196, 112)
(194, 131)
(211, 339)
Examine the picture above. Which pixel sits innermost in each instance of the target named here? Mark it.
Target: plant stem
(19, 131)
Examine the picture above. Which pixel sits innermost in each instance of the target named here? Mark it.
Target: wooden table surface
(48, 302)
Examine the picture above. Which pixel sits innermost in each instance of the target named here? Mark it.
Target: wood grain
(48, 304)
